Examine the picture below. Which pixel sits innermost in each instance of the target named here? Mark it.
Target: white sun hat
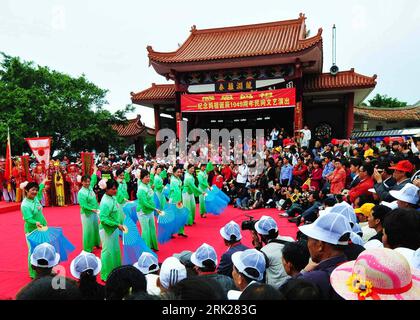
(203, 253)
(45, 251)
(328, 228)
(409, 193)
(83, 262)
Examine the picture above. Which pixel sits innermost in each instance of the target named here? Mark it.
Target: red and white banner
(280, 98)
(8, 169)
(40, 148)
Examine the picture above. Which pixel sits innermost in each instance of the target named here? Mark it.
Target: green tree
(383, 101)
(70, 110)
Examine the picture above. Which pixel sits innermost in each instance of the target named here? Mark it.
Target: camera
(249, 224)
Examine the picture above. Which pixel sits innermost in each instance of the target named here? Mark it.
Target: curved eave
(150, 103)
(313, 53)
(171, 57)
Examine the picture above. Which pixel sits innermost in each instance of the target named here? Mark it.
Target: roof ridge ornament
(193, 28)
(149, 49)
(302, 16)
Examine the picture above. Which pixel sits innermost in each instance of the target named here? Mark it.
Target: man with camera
(265, 237)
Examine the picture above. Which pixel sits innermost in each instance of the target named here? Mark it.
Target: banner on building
(41, 149)
(280, 98)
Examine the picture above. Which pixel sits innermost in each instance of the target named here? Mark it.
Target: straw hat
(377, 274)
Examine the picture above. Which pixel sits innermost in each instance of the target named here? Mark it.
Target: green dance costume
(122, 193)
(87, 200)
(158, 187)
(111, 217)
(32, 213)
(203, 184)
(175, 194)
(188, 198)
(145, 209)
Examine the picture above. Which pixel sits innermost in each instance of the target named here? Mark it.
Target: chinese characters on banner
(280, 98)
(235, 85)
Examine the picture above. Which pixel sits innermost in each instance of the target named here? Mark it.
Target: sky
(106, 40)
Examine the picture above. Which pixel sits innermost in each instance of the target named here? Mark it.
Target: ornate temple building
(254, 76)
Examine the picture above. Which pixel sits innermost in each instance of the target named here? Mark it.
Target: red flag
(41, 149)
(8, 169)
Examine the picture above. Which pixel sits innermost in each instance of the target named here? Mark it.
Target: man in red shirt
(366, 182)
(300, 171)
(227, 172)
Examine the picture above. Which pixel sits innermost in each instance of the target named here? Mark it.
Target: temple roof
(134, 127)
(157, 93)
(279, 37)
(411, 113)
(342, 80)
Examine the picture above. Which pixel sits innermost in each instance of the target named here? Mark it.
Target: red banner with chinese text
(280, 98)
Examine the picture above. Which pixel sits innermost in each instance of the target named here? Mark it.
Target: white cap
(231, 229)
(251, 258)
(409, 193)
(345, 210)
(203, 253)
(393, 205)
(265, 224)
(171, 272)
(328, 228)
(83, 262)
(146, 260)
(45, 251)
(372, 190)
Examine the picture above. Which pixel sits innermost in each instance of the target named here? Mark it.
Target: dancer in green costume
(122, 194)
(32, 214)
(157, 186)
(111, 217)
(203, 184)
(145, 209)
(89, 209)
(175, 194)
(189, 191)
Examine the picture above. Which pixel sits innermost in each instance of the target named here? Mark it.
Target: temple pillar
(157, 123)
(350, 115)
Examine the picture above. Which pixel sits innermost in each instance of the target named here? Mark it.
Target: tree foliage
(383, 101)
(70, 110)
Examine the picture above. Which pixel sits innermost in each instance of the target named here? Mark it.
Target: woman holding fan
(111, 217)
(158, 185)
(32, 214)
(203, 184)
(89, 208)
(145, 209)
(175, 194)
(189, 191)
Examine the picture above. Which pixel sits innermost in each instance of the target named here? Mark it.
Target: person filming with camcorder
(265, 237)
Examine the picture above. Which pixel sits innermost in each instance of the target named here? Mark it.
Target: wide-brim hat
(387, 269)
(409, 193)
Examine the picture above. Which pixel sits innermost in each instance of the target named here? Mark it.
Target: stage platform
(6, 207)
